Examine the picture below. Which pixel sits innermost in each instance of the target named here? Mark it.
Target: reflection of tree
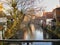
(17, 17)
(17, 9)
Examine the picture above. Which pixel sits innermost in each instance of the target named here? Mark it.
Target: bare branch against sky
(21, 4)
(27, 4)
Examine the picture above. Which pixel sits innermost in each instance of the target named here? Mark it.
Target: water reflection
(42, 43)
(37, 35)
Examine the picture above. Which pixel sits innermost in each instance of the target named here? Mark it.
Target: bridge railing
(21, 42)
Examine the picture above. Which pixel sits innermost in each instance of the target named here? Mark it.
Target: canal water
(34, 34)
(37, 35)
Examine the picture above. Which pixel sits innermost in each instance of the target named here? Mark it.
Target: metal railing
(20, 42)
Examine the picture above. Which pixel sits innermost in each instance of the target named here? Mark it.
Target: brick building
(56, 13)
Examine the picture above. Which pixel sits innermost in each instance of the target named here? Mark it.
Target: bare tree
(16, 19)
(17, 9)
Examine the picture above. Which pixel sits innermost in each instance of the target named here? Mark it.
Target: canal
(37, 34)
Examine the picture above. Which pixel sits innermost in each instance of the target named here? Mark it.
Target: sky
(51, 4)
(48, 4)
